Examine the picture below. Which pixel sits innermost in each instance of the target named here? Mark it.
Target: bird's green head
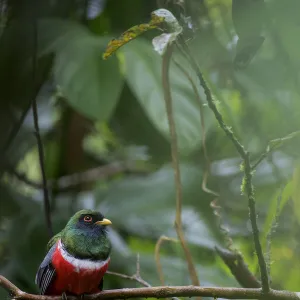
(85, 235)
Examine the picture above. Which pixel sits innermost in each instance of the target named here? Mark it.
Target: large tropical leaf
(140, 58)
(89, 84)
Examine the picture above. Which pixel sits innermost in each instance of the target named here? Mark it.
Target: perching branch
(38, 135)
(160, 292)
(175, 161)
(136, 277)
(247, 182)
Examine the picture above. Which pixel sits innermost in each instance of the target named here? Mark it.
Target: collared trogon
(77, 257)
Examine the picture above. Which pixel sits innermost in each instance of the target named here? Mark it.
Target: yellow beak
(103, 222)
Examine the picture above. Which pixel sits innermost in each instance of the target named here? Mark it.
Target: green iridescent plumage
(53, 240)
(83, 239)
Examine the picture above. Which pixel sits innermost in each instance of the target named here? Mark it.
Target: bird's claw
(64, 296)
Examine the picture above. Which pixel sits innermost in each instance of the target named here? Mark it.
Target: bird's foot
(64, 296)
(82, 297)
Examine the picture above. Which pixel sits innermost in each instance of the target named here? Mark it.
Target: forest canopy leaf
(140, 58)
(159, 207)
(89, 84)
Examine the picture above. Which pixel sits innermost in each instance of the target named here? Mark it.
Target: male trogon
(77, 257)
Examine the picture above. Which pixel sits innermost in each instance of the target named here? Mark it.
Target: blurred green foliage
(94, 113)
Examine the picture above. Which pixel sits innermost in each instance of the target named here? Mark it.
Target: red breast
(76, 276)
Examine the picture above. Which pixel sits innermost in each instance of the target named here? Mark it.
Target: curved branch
(160, 292)
(203, 131)
(175, 162)
(159, 242)
(214, 203)
(247, 186)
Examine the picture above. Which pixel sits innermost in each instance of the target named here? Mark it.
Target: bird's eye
(87, 219)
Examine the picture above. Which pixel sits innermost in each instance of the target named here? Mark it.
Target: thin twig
(211, 103)
(159, 268)
(158, 244)
(274, 144)
(203, 132)
(23, 178)
(247, 182)
(173, 134)
(138, 266)
(175, 162)
(72, 180)
(132, 277)
(136, 277)
(38, 135)
(159, 292)
(261, 158)
(214, 203)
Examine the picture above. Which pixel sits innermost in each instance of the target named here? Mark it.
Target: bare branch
(134, 277)
(157, 259)
(38, 135)
(203, 132)
(175, 161)
(160, 292)
(274, 144)
(93, 174)
(247, 182)
(138, 267)
(214, 203)
(159, 242)
(72, 180)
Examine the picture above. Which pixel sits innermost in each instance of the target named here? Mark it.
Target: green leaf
(143, 75)
(161, 42)
(88, 83)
